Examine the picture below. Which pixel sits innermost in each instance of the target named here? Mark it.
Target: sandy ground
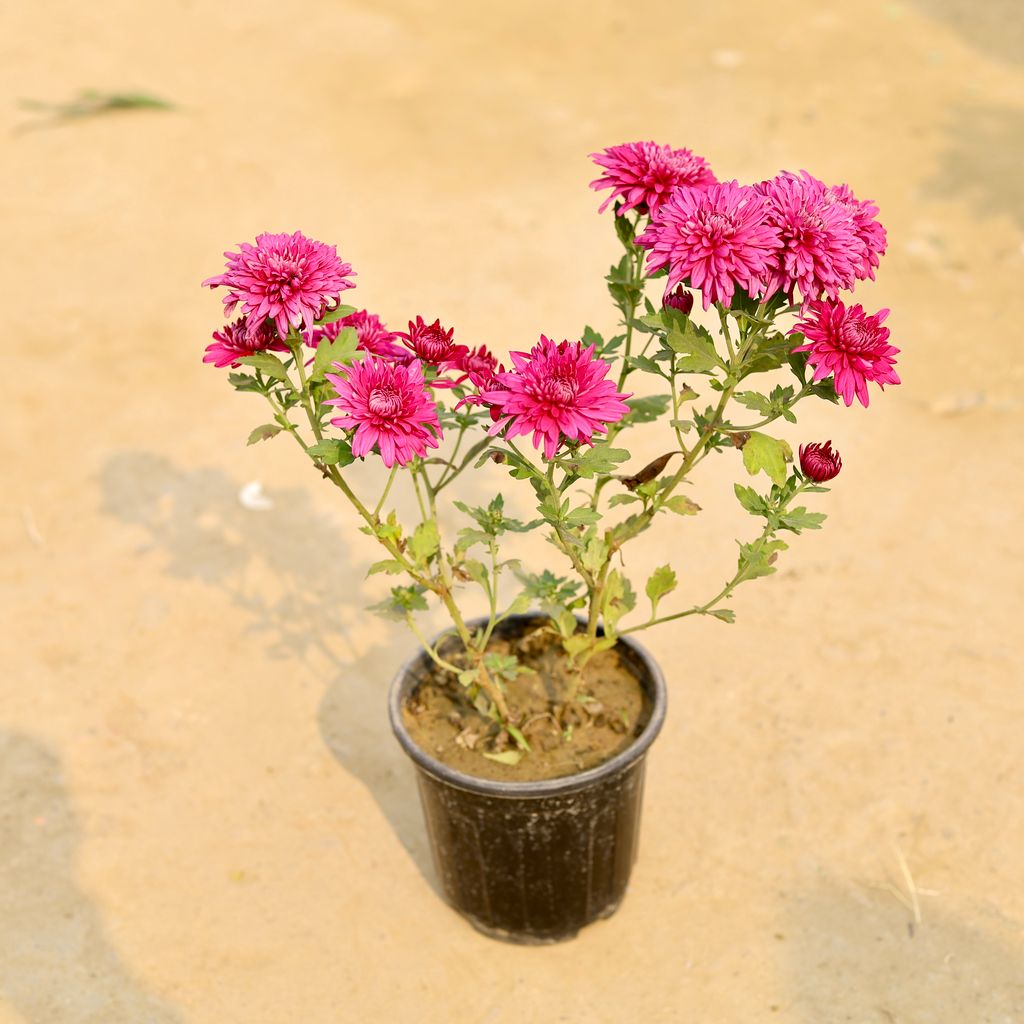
(203, 818)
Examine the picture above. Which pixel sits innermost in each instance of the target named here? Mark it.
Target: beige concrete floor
(203, 818)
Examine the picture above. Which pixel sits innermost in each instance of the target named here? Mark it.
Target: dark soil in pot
(534, 861)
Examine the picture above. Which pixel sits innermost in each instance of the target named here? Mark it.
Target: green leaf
(724, 614)
(332, 452)
(520, 739)
(582, 516)
(695, 346)
(622, 499)
(344, 349)
(335, 314)
(663, 581)
(476, 571)
(798, 519)
(751, 500)
(763, 452)
(648, 408)
(425, 541)
(594, 461)
(509, 757)
(264, 433)
(244, 382)
(645, 364)
(401, 602)
(389, 565)
(619, 598)
(267, 363)
(682, 505)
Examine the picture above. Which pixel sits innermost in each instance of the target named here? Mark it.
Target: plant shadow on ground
(981, 161)
(56, 961)
(195, 519)
(855, 953)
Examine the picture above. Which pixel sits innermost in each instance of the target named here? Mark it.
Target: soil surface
(611, 710)
(204, 818)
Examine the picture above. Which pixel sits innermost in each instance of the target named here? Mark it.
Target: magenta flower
(644, 174)
(819, 462)
(557, 393)
(714, 238)
(821, 250)
(870, 233)
(479, 366)
(433, 344)
(389, 406)
(849, 344)
(290, 279)
(235, 340)
(678, 298)
(373, 336)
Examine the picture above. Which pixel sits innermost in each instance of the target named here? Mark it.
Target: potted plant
(529, 723)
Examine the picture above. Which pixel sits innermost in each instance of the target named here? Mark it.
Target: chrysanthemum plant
(769, 262)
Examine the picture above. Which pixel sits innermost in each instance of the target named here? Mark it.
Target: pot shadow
(855, 953)
(981, 164)
(57, 962)
(196, 519)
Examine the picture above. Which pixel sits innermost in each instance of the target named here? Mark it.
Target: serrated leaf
(582, 516)
(622, 499)
(798, 519)
(663, 581)
(682, 505)
(724, 614)
(595, 461)
(476, 571)
(425, 541)
(267, 363)
(264, 433)
(750, 499)
(389, 565)
(768, 453)
(648, 408)
(344, 349)
(695, 348)
(244, 382)
(332, 451)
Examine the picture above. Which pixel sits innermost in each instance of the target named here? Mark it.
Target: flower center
(432, 346)
(719, 225)
(855, 337)
(559, 390)
(385, 401)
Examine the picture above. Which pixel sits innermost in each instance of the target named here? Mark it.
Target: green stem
(387, 490)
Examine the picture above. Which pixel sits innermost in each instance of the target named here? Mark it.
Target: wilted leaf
(763, 452)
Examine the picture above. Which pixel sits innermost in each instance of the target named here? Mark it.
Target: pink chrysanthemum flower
(557, 393)
(389, 406)
(849, 344)
(819, 462)
(373, 336)
(235, 340)
(479, 366)
(644, 174)
(821, 251)
(870, 233)
(290, 279)
(715, 238)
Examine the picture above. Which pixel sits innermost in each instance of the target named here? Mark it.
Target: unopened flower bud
(679, 298)
(819, 462)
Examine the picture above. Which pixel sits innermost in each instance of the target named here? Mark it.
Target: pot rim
(656, 691)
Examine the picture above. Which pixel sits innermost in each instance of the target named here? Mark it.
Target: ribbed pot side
(533, 862)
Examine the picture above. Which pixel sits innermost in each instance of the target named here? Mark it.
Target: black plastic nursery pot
(533, 862)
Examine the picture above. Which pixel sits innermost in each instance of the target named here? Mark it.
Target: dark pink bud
(679, 298)
(431, 342)
(819, 462)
